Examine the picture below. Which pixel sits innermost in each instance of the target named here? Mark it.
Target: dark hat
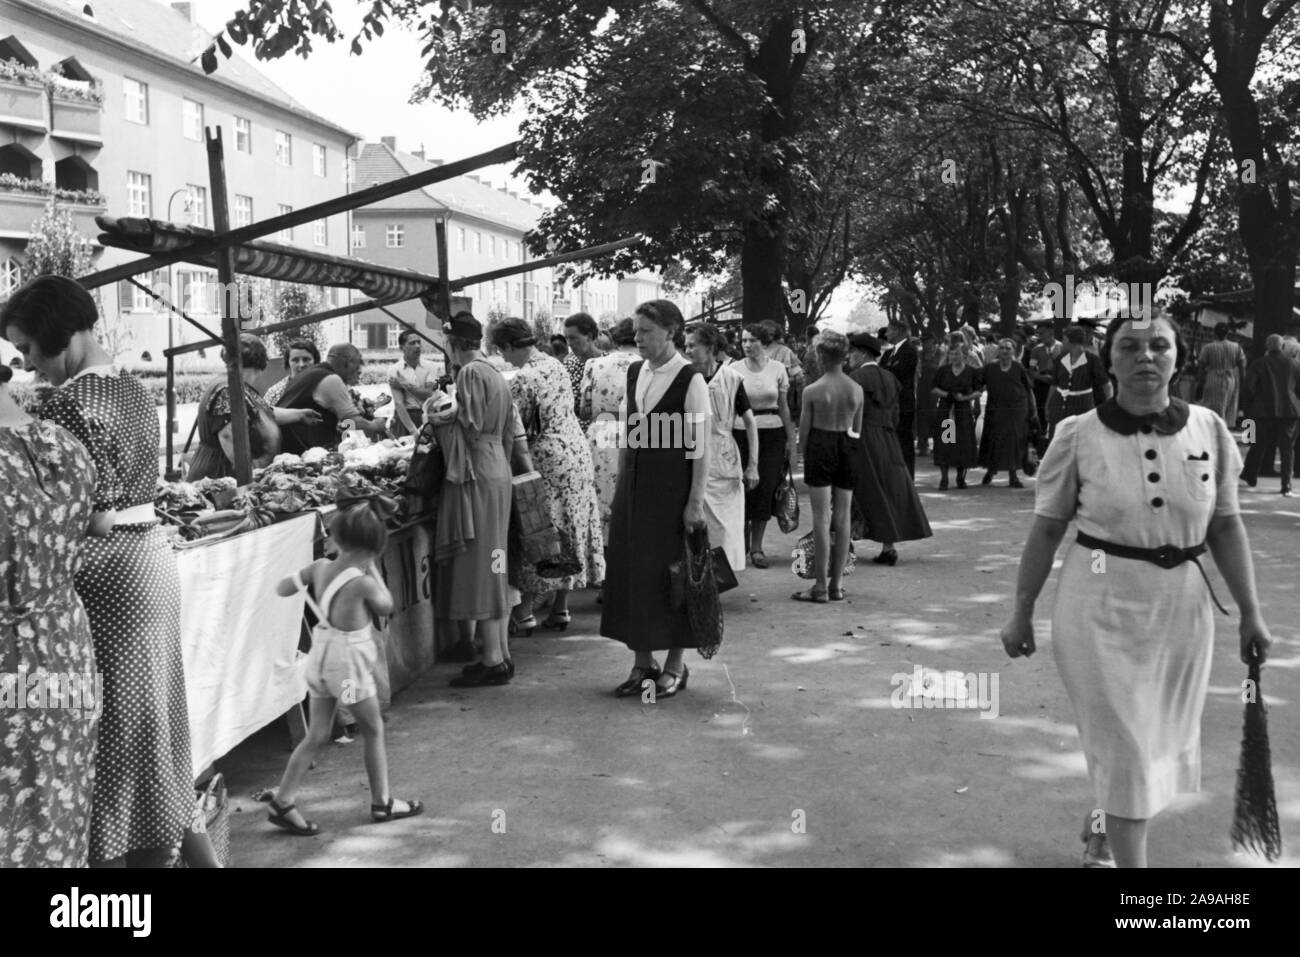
(865, 340)
(463, 326)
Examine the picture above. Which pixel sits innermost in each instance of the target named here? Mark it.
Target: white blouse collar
(104, 370)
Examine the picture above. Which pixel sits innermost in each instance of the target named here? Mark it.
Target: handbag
(692, 577)
(428, 466)
(1254, 814)
(785, 502)
(530, 519)
(804, 554)
(212, 815)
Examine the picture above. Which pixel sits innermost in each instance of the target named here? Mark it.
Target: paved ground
(792, 724)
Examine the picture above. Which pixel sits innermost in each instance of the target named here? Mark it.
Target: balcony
(22, 101)
(75, 116)
(19, 208)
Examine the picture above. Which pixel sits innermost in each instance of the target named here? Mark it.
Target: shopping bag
(700, 589)
(785, 502)
(428, 466)
(1254, 815)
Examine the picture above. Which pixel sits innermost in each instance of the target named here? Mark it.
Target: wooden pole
(229, 321)
(298, 217)
(555, 260)
(444, 286)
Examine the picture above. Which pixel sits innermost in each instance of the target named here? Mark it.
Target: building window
(358, 236)
(243, 210)
(492, 246)
(11, 276)
(243, 135)
(137, 101)
(460, 238)
(394, 330)
(394, 235)
(519, 292)
(198, 294)
(319, 233)
(139, 190)
(318, 159)
(285, 235)
(478, 243)
(198, 204)
(141, 301)
(192, 119)
(283, 148)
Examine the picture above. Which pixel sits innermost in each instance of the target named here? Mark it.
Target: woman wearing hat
(885, 495)
(543, 392)
(1081, 383)
(956, 386)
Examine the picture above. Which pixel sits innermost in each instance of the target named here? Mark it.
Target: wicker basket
(212, 814)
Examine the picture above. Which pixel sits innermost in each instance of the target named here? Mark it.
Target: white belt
(1073, 392)
(137, 515)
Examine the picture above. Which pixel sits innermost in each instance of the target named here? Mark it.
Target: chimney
(390, 142)
(185, 9)
(418, 154)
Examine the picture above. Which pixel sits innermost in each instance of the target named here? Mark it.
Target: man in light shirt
(412, 381)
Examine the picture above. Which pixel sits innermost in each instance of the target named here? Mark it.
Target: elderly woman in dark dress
(660, 495)
(128, 582)
(1009, 415)
(1150, 482)
(955, 388)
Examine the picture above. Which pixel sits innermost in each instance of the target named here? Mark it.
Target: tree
(55, 247)
(293, 301)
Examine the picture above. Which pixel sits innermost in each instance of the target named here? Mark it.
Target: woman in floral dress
(46, 753)
(544, 394)
(129, 584)
(604, 386)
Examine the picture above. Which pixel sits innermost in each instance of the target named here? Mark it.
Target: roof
(380, 164)
(170, 36)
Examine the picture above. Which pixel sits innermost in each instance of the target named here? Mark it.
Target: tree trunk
(761, 261)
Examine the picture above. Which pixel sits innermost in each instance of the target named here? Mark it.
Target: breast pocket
(1199, 476)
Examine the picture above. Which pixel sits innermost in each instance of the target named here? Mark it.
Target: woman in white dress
(724, 493)
(602, 390)
(1151, 482)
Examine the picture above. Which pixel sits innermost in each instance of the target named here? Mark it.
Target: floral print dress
(604, 387)
(543, 392)
(47, 748)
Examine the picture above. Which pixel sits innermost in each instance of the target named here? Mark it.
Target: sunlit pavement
(785, 749)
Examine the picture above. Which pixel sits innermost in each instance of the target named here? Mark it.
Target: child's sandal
(279, 816)
(382, 813)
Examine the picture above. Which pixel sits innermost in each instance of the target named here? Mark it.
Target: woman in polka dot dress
(143, 794)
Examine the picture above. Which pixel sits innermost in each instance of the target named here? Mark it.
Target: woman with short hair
(544, 395)
(215, 457)
(767, 384)
(1151, 482)
(1222, 367)
(1009, 415)
(600, 395)
(301, 354)
(955, 389)
(580, 333)
(660, 496)
(1080, 380)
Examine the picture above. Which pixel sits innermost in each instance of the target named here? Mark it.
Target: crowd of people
(93, 585)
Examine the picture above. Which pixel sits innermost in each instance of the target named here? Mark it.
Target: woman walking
(543, 392)
(885, 494)
(1080, 380)
(767, 384)
(603, 389)
(128, 582)
(1134, 645)
(660, 496)
(724, 494)
(956, 387)
(47, 485)
(1009, 415)
(1222, 368)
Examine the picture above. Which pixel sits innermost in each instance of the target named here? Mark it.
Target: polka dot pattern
(130, 586)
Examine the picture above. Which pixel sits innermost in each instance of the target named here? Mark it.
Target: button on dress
(1132, 640)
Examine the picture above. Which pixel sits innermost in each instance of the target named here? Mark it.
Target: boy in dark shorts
(830, 426)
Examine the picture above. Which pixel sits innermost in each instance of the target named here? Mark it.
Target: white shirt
(653, 384)
(423, 376)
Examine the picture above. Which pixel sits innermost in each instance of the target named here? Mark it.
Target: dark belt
(1166, 556)
(766, 411)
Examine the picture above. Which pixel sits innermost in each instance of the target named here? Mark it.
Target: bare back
(349, 610)
(833, 403)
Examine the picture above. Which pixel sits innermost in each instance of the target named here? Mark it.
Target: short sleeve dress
(1133, 640)
(602, 390)
(130, 586)
(210, 461)
(47, 753)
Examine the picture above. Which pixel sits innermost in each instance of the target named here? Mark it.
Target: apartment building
(103, 105)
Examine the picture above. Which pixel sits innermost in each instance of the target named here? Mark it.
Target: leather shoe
(669, 684)
(634, 682)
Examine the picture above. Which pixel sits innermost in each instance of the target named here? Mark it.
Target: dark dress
(885, 497)
(954, 423)
(646, 535)
(214, 415)
(301, 436)
(1007, 413)
(130, 586)
(1087, 379)
(47, 754)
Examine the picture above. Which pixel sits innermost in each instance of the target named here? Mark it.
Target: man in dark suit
(1272, 400)
(901, 360)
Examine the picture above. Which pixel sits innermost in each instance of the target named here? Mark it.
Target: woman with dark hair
(600, 395)
(1221, 366)
(301, 354)
(724, 494)
(767, 384)
(580, 333)
(143, 795)
(47, 487)
(543, 393)
(660, 496)
(1081, 383)
(955, 391)
(1134, 645)
(1009, 415)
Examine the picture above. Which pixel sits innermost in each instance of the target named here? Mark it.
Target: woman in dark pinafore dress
(660, 492)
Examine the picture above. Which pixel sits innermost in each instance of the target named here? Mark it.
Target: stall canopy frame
(224, 246)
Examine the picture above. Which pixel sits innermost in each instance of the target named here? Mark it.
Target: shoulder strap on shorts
(343, 577)
(311, 602)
